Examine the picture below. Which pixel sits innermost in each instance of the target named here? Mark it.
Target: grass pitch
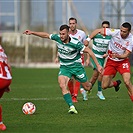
(40, 86)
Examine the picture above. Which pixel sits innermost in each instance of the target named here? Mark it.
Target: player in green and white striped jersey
(74, 85)
(100, 46)
(69, 50)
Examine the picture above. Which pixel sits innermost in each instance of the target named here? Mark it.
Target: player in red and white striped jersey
(5, 80)
(120, 47)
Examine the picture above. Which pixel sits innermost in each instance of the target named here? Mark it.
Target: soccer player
(70, 61)
(73, 84)
(99, 48)
(5, 80)
(120, 47)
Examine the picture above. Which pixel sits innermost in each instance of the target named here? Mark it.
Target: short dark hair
(72, 18)
(106, 22)
(65, 26)
(126, 25)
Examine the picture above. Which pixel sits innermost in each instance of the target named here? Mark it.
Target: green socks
(99, 86)
(68, 99)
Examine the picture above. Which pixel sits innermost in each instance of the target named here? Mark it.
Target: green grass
(40, 86)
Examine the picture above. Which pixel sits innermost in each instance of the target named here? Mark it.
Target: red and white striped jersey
(117, 44)
(80, 35)
(4, 68)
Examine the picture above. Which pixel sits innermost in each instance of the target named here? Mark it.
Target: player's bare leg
(126, 78)
(108, 83)
(76, 88)
(63, 82)
(94, 77)
(2, 126)
(87, 86)
(71, 86)
(8, 89)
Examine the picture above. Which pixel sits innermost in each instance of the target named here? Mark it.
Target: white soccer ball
(29, 108)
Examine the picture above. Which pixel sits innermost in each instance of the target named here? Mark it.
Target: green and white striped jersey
(100, 45)
(69, 53)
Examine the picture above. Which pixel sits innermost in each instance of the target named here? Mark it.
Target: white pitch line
(34, 99)
(57, 98)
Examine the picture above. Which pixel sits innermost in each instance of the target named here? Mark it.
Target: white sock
(1, 122)
(99, 92)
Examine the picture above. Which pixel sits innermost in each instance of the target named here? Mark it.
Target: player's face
(72, 25)
(64, 36)
(105, 26)
(124, 32)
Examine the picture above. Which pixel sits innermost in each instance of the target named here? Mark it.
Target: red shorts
(4, 83)
(112, 67)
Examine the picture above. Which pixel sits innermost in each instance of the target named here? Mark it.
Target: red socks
(0, 113)
(131, 97)
(70, 86)
(114, 83)
(76, 88)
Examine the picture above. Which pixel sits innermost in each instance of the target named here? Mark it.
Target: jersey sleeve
(84, 36)
(110, 31)
(54, 37)
(130, 46)
(80, 46)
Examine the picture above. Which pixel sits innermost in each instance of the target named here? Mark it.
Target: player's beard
(65, 40)
(73, 28)
(124, 36)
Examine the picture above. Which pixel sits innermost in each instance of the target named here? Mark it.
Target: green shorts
(76, 70)
(100, 61)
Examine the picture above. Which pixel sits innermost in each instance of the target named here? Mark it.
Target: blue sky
(87, 10)
(84, 11)
(39, 11)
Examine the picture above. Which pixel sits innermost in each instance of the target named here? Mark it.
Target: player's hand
(105, 55)
(86, 43)
(27, 32)
(99, 68)
(115, 55)
(56, 60)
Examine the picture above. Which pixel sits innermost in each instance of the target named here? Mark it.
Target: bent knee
(104, 86)
(62, 85)
(127, 82)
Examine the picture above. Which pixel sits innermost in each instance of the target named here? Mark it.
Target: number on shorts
(125, 65)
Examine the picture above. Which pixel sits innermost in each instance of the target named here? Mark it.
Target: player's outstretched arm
(93, 34)
(40, 34)
(87, 62)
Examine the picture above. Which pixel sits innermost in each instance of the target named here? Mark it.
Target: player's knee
(87, 86)
(127, 82)
(95, 78)
(62, 86)
(104, 86)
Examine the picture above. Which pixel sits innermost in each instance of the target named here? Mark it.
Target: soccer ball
(29, 108)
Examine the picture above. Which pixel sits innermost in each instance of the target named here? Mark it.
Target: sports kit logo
(79, 37)
(112, 30)
(127, 43)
